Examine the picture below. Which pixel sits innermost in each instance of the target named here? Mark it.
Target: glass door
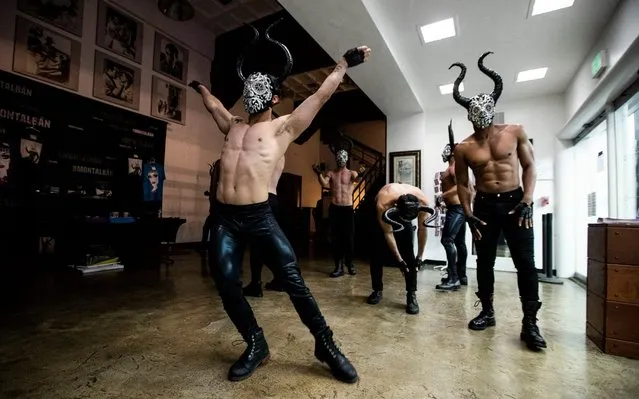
(591, 188)
(627, 132)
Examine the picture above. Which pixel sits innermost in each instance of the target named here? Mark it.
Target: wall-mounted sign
(599, 64)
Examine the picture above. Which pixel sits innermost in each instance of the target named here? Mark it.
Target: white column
(563, 226)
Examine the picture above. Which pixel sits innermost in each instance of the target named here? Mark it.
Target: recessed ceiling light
(531, 74)
(544, 6)
(448, 89)
(438, 30)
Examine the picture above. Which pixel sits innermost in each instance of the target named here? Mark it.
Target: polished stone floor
(165, 335)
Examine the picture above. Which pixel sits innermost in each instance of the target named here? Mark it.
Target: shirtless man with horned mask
(251, 150)
(494, 153)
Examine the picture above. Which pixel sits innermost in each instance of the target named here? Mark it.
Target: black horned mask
(481, 108)
(406, 209)
(259, 87)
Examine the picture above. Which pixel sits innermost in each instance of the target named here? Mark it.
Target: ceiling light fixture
(438, 30)
(544, 6)
(532, 74)
(448, 89)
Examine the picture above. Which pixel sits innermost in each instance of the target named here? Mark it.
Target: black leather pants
(236, 226)
(342, 221)
(256, 258)
(454, 241)
(493, 209)
(381, 256)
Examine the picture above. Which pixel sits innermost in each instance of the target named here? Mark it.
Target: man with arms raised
(454, 231)
(254, 288)
(251, 151)
(494, 153)
(341, 182)
(397, 205)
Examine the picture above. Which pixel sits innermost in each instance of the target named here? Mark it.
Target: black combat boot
(351, 269)
(326, 351)
(412, 307)
(463, 280)
(486, 317)
(274, 285)
(529, 330)
(254, 288)
(256, 354)
(374, 298)
(448, 285)
(339, 270)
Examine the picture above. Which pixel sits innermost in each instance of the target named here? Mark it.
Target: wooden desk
(612, 316)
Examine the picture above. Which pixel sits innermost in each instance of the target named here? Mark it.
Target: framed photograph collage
(54, 57)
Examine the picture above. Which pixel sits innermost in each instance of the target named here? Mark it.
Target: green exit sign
(599, 64)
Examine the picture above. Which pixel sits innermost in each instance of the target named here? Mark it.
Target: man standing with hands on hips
(494, 153)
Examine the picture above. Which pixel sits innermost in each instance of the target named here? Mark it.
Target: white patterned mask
(341, 158)
(481, 111)
(258, 93)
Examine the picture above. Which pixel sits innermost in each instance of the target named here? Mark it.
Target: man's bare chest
(250, 138)
(494, 150)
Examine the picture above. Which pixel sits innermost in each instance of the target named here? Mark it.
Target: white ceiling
(558, 40)
(215, 17)
(409, 72)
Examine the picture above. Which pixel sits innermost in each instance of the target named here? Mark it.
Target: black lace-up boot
(256, 354)
(529, 330)
(412, 307)
(486, 317)
(351, 269)
(254, 288)
(374, 298)
(339, 270)
(326, 351)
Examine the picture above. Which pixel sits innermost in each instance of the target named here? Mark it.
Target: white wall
(542, 117)
(620, 32)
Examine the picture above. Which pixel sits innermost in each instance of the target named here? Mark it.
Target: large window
(627, 132)
(591, 189)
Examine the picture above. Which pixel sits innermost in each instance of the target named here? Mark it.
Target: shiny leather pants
(236, 226)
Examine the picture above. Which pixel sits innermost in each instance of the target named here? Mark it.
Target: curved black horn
(289, 58)
(433, 215)
(240, 58)
(389, 217)
(499, 84)
(461, 100)
(451, 135)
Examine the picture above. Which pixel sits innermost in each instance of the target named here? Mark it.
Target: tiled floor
(141, 335)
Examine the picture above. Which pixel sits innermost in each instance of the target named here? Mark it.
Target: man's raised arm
(221, 115)
(301, 118)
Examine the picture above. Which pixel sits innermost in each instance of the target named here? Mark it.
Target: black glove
(196, 86)
(354, 57)
(317, 169)
(403, 266)
(418, 263)
(525, 213)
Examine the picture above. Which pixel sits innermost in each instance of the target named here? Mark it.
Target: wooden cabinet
(612, 315)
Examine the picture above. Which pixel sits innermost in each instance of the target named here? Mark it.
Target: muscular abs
(494, 160)
(341, 184)
(249, 157)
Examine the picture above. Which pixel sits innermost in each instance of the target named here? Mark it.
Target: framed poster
(46, 55)
(170, 59)
(116, 82)
(168, 101)
(405, 167)
(119, 33)
(64, 14)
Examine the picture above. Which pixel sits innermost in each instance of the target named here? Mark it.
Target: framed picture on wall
(169, 58)
(405, 167)
(116, 81)
(64, 14)
(46, 55)
(119, 33)
(168, 101)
